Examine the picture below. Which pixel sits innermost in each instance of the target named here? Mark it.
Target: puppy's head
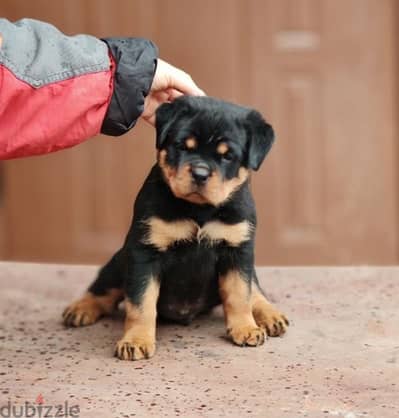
(206, 147)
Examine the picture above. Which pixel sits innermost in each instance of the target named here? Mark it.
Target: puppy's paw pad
(247, 336)
(134, 350)
(274, 323)
(81, 313)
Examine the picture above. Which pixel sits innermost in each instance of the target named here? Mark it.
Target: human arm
(57, 91)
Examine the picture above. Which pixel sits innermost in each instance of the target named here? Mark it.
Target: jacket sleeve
(57, 91)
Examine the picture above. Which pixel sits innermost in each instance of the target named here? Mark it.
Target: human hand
(169, 83)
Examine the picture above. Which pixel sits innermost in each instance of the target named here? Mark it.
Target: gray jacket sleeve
(39, 54)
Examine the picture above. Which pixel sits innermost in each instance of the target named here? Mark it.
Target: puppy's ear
(166, 116)
(163, 121)
(260, 139)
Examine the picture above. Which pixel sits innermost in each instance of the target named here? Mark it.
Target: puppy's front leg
(266, 315)
(235, 292)
(142, 290)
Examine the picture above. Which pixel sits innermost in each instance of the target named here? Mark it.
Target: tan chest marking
(163, 234)
(234, 235)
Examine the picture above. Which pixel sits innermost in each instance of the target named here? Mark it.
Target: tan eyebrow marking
(222, 148)
(191, 143)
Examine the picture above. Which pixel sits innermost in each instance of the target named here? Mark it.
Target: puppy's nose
(200, 173)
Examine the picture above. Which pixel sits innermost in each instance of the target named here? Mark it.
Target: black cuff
(136, 61)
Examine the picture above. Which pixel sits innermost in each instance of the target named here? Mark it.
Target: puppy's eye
(181, 146)
(228, 156)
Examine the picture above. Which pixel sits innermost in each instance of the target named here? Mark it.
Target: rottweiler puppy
(191, 243)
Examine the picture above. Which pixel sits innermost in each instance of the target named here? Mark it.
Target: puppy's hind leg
(266, 315)
(101, 299)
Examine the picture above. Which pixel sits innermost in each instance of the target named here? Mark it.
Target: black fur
(188, 272)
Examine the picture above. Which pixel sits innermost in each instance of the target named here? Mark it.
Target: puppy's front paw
(272, 321)
(247, 335)
(135, 349)
(267, 316)
(83, 312)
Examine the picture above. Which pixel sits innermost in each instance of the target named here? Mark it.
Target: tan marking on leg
(267, 316)
(138, 341)
(162, 234)
(240, 323)
(234, 235)
(90, 308)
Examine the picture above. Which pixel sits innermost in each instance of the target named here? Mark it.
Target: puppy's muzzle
(200, 173)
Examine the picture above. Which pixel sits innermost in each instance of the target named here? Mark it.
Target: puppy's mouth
(196, 197)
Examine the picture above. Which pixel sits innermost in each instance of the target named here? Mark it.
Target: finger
(150, 119)
(154, 100)
(174, 94)
(181, 81)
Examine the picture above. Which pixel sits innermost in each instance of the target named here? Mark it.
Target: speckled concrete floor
(340, 357)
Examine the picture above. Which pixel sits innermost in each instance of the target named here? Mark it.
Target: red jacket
(56, 91)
